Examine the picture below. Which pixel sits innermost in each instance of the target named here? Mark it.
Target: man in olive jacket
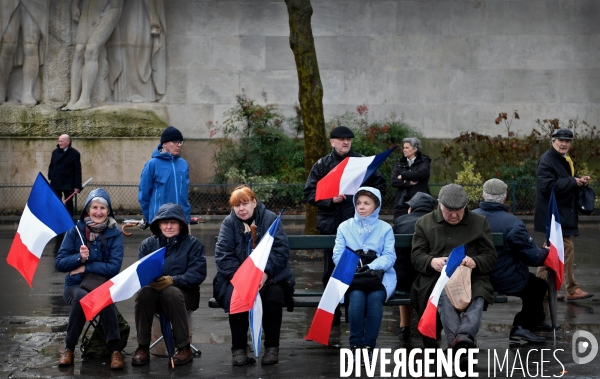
(436, 235)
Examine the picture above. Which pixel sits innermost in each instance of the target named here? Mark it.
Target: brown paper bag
(458, 288)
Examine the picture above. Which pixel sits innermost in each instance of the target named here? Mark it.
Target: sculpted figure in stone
(97, 20)
(31, 18)
(136, 52)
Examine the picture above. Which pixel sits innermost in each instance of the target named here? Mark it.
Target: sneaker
(369, 354)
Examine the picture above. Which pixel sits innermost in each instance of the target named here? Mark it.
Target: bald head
(63, 141)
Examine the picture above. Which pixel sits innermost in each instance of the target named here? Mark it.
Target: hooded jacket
(329, 214)
(553, 171)
(369, 233)
(511, 274)
(418, 172)
(231, 252)
(164, 179)
(185, 259)
(106, 263)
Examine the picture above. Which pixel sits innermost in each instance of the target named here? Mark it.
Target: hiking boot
(239, 358)
(271, 356)
(67, 358)
(140, 357)
(183, 356)
(116, 361)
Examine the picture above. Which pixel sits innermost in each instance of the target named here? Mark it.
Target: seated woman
(277, 285)
(366, 233)
(178, 290)
(101, 253)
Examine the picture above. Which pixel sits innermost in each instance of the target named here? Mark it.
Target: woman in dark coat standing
(277, 285)
(410, 175)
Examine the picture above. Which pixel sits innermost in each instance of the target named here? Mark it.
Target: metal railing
(212, 199)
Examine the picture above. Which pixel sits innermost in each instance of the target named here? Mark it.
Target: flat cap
(453, 196)
(562, 133)
(495, 187)
(341, 132)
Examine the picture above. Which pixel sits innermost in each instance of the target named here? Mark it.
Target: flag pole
(73, 194)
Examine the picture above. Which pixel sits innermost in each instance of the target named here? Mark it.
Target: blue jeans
(108, 317)
(365, 312)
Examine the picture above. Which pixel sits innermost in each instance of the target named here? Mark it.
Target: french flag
(334, 292)
(248, 276)
(125, 284)
(348, 176)
(44, 217)
(427, 324)
(556, 257)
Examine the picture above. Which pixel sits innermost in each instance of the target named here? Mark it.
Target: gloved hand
(162, 283)
(363, 268)
(143, 225)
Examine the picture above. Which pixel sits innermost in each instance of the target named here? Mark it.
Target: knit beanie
(171, 134)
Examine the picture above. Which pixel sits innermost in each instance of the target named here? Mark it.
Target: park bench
(311, 298)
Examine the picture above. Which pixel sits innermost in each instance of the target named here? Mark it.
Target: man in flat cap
(436, 235)
(511, 275)
(556, 170)
(165, 177)
(332, 212)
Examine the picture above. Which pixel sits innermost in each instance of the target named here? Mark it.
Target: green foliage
(471, 181)
(261, 185)
(253, 142)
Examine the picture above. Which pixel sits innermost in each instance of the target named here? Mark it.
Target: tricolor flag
(427, 324)
(334, 292)
(556, 257)
(125, 284)
(348, 176)
(44, 217)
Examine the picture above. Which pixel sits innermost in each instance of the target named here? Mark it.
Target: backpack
(94, 346)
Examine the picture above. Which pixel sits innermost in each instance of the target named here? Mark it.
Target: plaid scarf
(93, 229)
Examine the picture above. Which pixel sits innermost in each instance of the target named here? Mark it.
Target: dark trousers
(108, 318)
(271, 321)
(175, 302)
(532, 313)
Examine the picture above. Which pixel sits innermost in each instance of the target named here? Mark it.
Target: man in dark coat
(556, 170)
(436, 235)
(64, 171)
(511, 275)
(332, 212)
(178, 290)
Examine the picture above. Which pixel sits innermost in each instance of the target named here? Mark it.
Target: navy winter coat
(231, 252)
(510, 275)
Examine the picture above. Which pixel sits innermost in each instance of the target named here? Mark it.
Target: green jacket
(434, 237)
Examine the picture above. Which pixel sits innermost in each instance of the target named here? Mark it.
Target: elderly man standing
(556, 170)
(332, 212)
(64, 171)
(511, 275)
(436, 235)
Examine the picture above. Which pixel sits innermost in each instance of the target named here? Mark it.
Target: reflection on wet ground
(33, 324)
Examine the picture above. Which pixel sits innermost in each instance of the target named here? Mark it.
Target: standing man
(165, 177)
(64, 171)
(556, 170)
(511, 275)
(332, 212)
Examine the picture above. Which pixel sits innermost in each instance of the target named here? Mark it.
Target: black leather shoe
(519, 333)
(544, 327)
(404, 332)
(462, 341)
(271, 356)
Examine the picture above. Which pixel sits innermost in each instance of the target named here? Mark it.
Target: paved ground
(33, 324)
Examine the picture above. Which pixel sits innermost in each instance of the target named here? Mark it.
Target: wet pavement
(33, 324)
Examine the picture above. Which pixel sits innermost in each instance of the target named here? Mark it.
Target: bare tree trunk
(310, 95)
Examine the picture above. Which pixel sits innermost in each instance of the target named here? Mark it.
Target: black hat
(341, 132)
(171, 134)
(562, 133)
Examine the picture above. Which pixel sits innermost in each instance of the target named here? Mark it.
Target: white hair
(494, 198)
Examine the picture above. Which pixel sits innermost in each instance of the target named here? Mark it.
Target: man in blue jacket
(165, 177)
(511, 275)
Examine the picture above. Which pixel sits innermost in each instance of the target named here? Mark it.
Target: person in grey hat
(165, 177)
(511, 275)
(436, 235)
(332, 212)
(556, 170)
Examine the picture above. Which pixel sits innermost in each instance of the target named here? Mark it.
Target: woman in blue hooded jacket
(100, 252)
(367, 233)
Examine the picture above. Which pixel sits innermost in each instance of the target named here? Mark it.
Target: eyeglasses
(177, 142)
